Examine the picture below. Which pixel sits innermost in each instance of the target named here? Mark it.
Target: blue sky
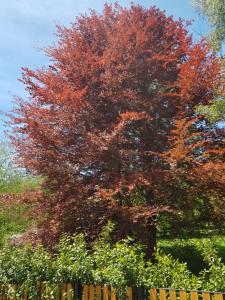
(26, 25)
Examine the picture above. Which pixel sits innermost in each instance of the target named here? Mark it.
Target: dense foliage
(121, 265)
(111, 125)
(187, 249)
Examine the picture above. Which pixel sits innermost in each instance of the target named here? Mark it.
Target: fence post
(77, 290)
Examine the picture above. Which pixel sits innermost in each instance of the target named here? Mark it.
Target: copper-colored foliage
(27, 197)
(115, 110)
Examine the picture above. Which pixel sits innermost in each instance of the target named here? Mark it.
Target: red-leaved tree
(111, 125)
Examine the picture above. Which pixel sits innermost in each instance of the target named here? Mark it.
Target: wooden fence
(90, 292)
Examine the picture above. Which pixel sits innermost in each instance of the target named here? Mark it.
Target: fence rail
(75, 291)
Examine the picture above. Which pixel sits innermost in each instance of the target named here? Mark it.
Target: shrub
(213, 278)
(120, 265)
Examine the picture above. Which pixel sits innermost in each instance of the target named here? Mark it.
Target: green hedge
(121, 264)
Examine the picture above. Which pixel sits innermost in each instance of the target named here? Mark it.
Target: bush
(213, 278)
(73, 260)
(120, 265)
(188, 250)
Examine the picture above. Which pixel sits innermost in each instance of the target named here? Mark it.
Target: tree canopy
(111, 125)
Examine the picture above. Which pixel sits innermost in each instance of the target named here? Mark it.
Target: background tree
(16, 190)
(112, 127)
(14, 180)
(214, 11)
(215, 112)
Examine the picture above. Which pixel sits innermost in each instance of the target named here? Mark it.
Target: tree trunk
(150, 235)
(150, 241)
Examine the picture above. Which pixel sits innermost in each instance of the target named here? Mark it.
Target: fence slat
(153, 294)
(206, 296)
(98, 292)
(172, 294)
(1, 291)
(14, 291)
(162, 294)
(105, 293)
(218, 296)
(129, 293)
(42, 288)
(194, 295)
(57, 293)
(4, 293)
(25, 294)
(85, 291)
(69, 291)
(63, 293)
(183, 295)
(113, 294)
(91, 292)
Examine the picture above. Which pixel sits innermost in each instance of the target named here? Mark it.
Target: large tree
(111, 124)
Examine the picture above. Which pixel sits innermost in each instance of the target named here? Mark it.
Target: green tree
(214, 12)
(215, 112)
